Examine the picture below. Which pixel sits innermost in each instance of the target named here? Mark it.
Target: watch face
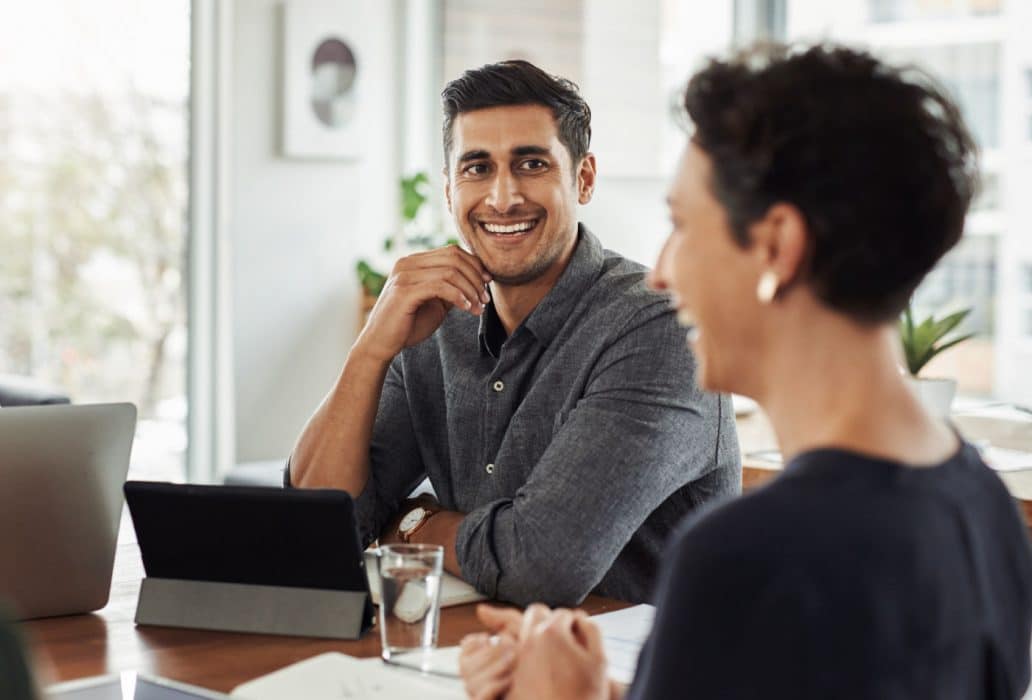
(411, 519)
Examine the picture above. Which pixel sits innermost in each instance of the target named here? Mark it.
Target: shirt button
(498, 385)
(489, 469)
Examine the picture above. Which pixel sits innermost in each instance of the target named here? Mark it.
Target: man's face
(513, 191)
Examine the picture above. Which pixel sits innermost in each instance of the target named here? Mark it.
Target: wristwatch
(415, 519)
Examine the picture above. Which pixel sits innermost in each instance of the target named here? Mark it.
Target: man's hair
(876, 158)
(520, 83)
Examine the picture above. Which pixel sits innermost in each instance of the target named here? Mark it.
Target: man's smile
(516, 227)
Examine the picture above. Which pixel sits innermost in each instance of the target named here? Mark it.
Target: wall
(297, 228)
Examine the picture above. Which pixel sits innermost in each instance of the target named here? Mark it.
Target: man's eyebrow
(531, 151)
(476, 154)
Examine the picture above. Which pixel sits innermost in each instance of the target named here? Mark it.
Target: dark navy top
(848, 577)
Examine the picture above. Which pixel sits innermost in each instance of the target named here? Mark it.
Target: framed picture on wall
(323, 69)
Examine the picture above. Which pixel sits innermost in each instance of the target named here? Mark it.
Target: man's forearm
(333, 450)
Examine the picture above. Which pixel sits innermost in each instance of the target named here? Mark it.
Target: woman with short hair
(888, 561)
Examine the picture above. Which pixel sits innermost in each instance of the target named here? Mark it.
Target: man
(538, 383)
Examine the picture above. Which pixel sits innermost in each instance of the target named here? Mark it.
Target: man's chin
(516, 277)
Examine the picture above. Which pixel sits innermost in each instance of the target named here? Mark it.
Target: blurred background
(173, 234)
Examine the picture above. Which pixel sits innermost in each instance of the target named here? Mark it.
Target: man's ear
(781, 241)
(447, 189)
(586, 174)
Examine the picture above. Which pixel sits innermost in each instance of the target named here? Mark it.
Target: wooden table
(755, 435)
(79, 646)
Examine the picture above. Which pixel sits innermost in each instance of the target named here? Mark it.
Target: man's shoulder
(621, 291)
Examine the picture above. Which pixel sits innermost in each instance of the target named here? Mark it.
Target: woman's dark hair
(520, 83)
(876, 158)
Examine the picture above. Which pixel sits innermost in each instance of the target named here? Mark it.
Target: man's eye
(475, 169)
(532, 164)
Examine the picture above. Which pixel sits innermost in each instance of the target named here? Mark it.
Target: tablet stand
(237, 607)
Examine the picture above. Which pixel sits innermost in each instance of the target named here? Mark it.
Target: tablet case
(250, 559)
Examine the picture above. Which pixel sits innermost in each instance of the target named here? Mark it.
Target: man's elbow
(555, 586)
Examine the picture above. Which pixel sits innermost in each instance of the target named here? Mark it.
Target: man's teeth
(514, 228)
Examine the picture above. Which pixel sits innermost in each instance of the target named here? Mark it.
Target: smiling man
(532, 376)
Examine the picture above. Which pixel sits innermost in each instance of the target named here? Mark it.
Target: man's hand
(417, 296)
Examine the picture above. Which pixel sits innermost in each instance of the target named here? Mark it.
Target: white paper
(454, 591)
(623, 634)
(335, 676)
(1004, 460)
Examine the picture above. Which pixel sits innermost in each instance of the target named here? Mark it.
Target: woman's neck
(833, 383)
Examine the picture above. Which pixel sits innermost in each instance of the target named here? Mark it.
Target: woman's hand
(537, 654)
(561, 657)
(487, 661)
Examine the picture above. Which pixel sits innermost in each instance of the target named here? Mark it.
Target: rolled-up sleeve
(641, 431)
(394, 464)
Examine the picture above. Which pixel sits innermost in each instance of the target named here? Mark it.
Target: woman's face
(711, 280)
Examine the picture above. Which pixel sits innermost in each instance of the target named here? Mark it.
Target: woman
(887, 561)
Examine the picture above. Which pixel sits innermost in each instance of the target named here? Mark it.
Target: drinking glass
(410, 611)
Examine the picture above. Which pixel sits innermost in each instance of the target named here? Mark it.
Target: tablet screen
(129, 686)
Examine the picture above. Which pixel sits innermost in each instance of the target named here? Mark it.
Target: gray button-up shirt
(574, 446)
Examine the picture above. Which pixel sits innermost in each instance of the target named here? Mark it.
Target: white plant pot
(936, 395)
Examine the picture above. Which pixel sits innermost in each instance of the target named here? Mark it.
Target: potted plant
(923, 341)
(417, 234)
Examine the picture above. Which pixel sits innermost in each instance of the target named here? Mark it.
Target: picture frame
(323, 79)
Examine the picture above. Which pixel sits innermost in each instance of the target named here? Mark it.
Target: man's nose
(505, 193)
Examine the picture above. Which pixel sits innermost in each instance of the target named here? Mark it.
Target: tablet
(129, 686)
(302, 538)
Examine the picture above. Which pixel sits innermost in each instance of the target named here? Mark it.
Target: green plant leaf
(413, 195)
(925, 340)
(946, 346)
(371, 280)
(944, 326)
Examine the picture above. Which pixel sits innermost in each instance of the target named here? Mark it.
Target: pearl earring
(767, 288)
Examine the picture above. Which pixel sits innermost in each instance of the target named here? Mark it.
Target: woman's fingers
(500, 620)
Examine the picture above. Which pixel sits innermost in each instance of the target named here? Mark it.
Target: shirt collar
(545, 320)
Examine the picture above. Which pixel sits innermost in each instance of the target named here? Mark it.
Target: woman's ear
(781, 242)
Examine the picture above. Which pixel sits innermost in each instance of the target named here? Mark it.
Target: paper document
(623, 634)
(1004, 460)
(335, 676)
(454, 591)
(1000, 410)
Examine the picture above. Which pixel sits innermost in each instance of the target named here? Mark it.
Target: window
(93, 185)
(901, 10)
(966, 45)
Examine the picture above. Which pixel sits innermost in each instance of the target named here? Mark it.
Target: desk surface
(109, 642)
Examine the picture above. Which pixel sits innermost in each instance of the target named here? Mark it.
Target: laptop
(61, 469)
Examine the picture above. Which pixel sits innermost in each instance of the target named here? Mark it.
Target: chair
(24, 391)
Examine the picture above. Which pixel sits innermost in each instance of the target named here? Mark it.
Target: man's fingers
(507, 620)
(450, 257)
(414, 281)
